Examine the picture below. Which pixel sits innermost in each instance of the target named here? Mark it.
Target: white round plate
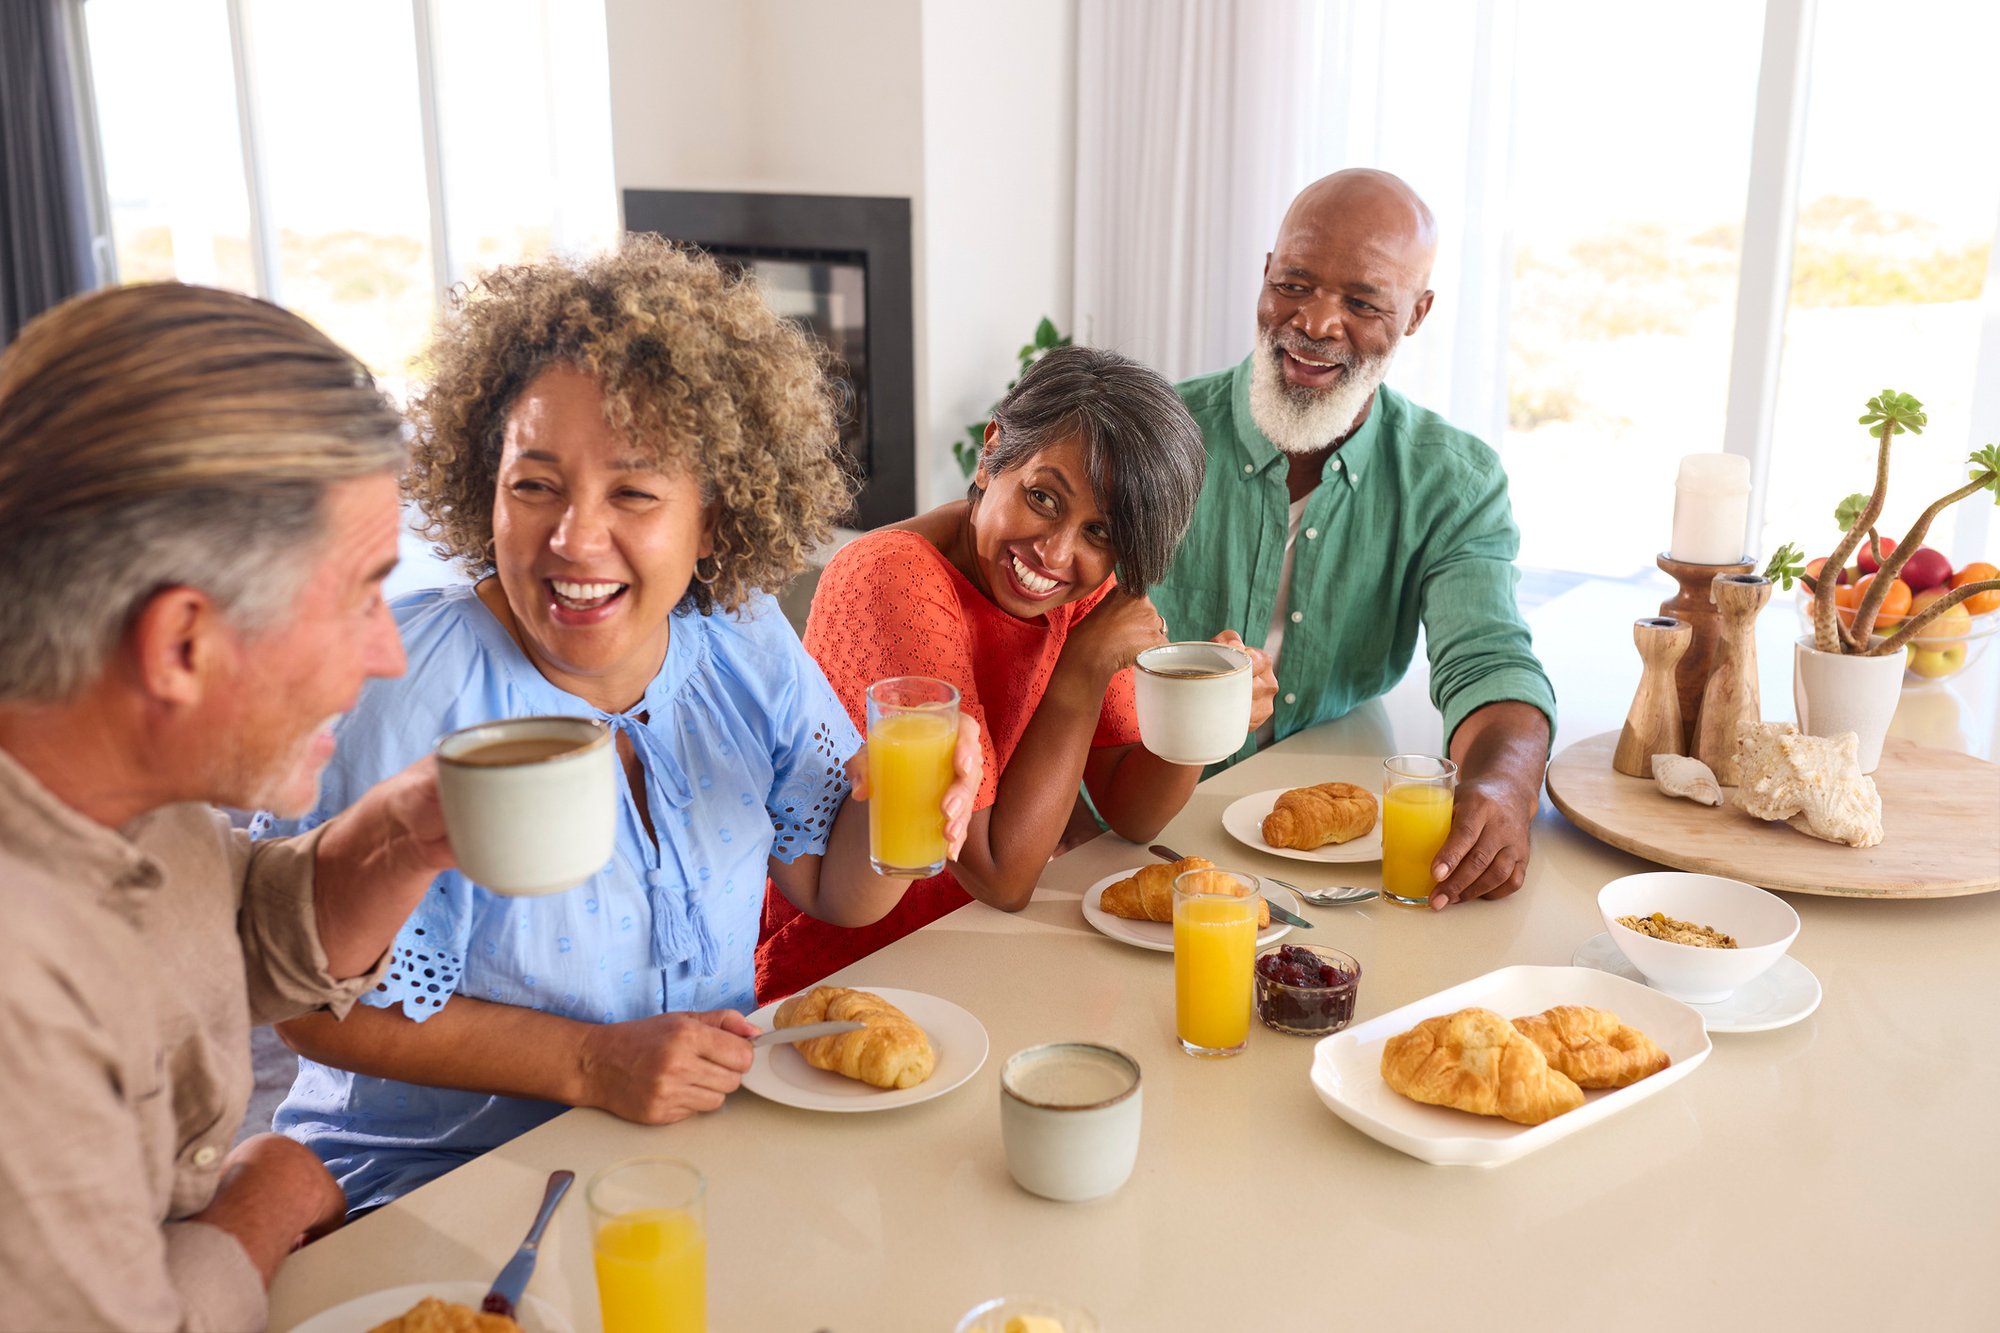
(365, 1312)
(1159, 935)
(1781, 997)
(1245, 821)
(781, 1074)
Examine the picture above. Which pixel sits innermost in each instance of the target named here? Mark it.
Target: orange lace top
(891, 604)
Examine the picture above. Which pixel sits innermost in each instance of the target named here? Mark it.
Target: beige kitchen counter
(1838, 1173)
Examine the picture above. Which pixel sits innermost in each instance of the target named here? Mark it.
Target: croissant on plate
(1308, 817)
(891, 1052)
(431, 1315)
(1148, 895)
(1592, 1046)
(1475, 1060)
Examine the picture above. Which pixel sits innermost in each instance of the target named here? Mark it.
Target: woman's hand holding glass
(968, 767)
(657, 1070)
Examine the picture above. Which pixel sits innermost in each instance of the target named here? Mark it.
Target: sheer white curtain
(1198, 122)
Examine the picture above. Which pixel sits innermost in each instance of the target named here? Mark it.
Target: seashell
(1689, 778)
(1813, 783)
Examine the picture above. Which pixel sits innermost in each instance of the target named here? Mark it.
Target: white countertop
(1838, 1173)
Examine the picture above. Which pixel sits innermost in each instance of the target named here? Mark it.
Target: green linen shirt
(1409, 525)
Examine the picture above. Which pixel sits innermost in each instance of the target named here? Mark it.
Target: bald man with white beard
(1338, 518)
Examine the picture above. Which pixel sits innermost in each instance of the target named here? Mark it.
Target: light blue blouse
(742, 744)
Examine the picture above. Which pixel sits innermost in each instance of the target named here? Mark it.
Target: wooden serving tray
(1940, 827)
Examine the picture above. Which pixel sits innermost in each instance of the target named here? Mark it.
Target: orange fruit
(1847, 596)
(1978, 572)
(1895, 602)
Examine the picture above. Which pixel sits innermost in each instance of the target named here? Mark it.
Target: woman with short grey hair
(1029, 596)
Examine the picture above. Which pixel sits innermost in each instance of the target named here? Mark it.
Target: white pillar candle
(1711, 509)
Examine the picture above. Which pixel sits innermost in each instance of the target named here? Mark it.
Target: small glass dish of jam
(1307, 990)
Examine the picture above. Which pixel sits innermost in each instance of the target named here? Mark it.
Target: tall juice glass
(912, 731)
(1215, 939)
(649, 1237)
(1416, 818)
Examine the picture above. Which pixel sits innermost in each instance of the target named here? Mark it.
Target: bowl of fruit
(1944, 647)
(1307, 990)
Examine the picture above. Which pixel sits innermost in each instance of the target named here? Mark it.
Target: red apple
(1867, 557)
(1926, 568)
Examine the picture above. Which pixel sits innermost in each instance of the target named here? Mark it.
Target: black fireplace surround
(840, 265)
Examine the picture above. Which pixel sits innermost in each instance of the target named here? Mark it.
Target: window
(1627, 223)
(351, 168)
(1891, 251)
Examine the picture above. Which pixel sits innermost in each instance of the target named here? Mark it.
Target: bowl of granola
(1696, 937)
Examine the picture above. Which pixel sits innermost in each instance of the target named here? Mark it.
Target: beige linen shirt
(136, 962)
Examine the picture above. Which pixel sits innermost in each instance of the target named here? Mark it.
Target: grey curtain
(45, 254)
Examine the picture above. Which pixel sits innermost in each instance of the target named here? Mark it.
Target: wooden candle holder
(1730, 696)
(1654, 724)
(1691, 605)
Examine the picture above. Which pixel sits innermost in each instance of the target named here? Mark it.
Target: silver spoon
(1336, 896)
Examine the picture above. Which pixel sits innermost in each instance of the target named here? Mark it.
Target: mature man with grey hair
(1338, 518)
(198, 505)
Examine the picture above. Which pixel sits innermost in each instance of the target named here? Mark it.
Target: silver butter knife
(513, 1280)
(1283, 914)
(783, 1036)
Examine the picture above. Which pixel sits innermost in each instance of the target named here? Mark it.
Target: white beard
(1303, 421)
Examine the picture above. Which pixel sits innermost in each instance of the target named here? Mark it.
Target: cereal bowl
(1763, 925)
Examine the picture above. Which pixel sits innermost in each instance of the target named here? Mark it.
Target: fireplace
(840, 266)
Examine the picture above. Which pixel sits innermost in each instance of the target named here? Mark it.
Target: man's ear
(980, 476)
(1423, 308)
(175, 644)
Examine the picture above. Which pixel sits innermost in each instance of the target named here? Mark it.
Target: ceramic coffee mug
(1194, 701)
(530, 803)
(1069, 1118)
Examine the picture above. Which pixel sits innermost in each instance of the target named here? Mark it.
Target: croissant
(1308, 817)
(1149, 894)
(1476, 1061)
(431, 1315)
(1592, 1047)
(891, 1052)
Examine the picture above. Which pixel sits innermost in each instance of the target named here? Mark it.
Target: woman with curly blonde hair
(628, 453)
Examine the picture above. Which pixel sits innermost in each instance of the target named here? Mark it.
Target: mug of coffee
(530, 803)
(1194, 701)
(1069, 1119)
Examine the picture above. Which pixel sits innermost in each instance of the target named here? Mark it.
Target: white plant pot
(1838, 692)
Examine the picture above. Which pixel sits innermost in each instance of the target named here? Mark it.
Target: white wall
(999, 179)
(965, 108)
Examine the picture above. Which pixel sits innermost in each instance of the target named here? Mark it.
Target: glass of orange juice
(912, 731)
(1215, 939)
(1416, 818)
(649, 1237)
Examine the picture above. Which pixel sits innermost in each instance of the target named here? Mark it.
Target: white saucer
(1159, 935)
(1779, 998)
(1244, 819)
(781, 1074)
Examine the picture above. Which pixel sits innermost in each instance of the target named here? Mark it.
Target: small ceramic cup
(1069, 1118)
(1194, 701)
(530, 803)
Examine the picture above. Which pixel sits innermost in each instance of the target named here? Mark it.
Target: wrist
(586, 1068)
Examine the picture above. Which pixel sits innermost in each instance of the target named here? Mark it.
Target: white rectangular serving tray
(1347, 1066)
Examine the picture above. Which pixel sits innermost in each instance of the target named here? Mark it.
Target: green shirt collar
(1256, 452)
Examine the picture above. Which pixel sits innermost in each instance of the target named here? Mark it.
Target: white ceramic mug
(1194, 701)
(1069, 1118)
(530, 803)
